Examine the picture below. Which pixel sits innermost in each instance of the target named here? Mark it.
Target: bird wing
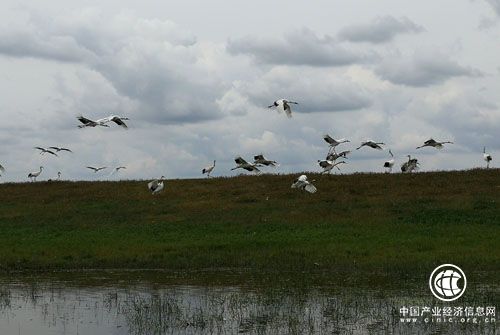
(328, 139)
(2, 168)
(310, 188)
(152, 185)
(259, 157)
(84, 120)
(40, 148)
(65, 149)
(430, 141)
(240, 160)
(55, 148)
(119, 122)
(324, 163)
(51, 152)
(91, 167)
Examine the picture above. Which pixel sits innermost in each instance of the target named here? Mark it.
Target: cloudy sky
(195, 78)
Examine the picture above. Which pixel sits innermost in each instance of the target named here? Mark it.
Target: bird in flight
(371, 144)
(329, 165)
(261, 160)
(433, 143)
(96, 169)
(243, 164)
(333, 142)
(208, 170)
(283, 105)
(57, 149)
(43, 151)
(102, 122)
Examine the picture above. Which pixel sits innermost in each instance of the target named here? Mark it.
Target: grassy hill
(362, 222)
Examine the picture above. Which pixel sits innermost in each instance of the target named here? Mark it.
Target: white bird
(390, 163)
(410, 166)
(57, 149)
(371, 144)
(329, 165)
(102, 122)
(33, 175)
(433, 143)
(243, 164)
(261, 160)
(208, 169)
(96, 169)
(156, 186)
(58, 177)
(303, 184)
(333, 142)
(116, 169)
(2, 169)
(334, 156)
(283, 105)
(487, 158)
(43, 151)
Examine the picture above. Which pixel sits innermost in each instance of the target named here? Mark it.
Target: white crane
(33, 175)
(58, 177)
(333, 142)
(261, 160)
(334, 156)
(102, 122)
(487, 158)
(283, 105)
(390, 163)
(43, 151)
(303, 184)
(116, 169)
(97, 169)
(207, 170)
(433, 143)
(410, 166)
(57, 149)
(243, 164)
(371, 144)
(156, 186)
(329, 165)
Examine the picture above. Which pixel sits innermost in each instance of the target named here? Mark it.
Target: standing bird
(243, 164)
(43, 151)
(57, 149)
(390, 163)
(433, 143)
(156, 186)
(410, 166)
(487, 158)
(261, 160)
(303, 184)
(329, 165)
(333, 142)
(208, 169)
(58, 177)
(96, 169)
(371, 144)
(283, 105)
(33, 175)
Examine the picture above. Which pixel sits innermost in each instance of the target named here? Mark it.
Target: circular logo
(447, 282)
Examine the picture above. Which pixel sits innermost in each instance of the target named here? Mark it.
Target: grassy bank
(366, 222)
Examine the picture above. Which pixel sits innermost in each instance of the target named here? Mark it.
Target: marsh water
(155, 302)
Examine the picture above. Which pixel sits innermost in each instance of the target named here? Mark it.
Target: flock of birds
(332, 160)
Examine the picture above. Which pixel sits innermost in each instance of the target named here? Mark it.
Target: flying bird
(2, 169)
(116, 169)
(96, 169)
(208, 170)
(332, 156)
(303, 184)
(261, 160)
(156, 186)
(33, 175)
(243, 164)
(487, 157)
(433, 143)
(283, 105)
(390, 163)
(43, 151)
(371, 144)
(329, 165)
(57, 149)
(333, 142)
(102, 122)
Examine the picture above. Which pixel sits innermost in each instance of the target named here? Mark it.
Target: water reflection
(145, 307)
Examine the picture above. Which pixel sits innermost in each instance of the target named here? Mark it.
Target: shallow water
(158, 303)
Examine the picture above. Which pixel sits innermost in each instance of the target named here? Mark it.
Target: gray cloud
(379, 30)
(423, 68)
(495, 4)
(299, 47)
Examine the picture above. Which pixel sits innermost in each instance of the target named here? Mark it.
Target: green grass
(362, 222)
